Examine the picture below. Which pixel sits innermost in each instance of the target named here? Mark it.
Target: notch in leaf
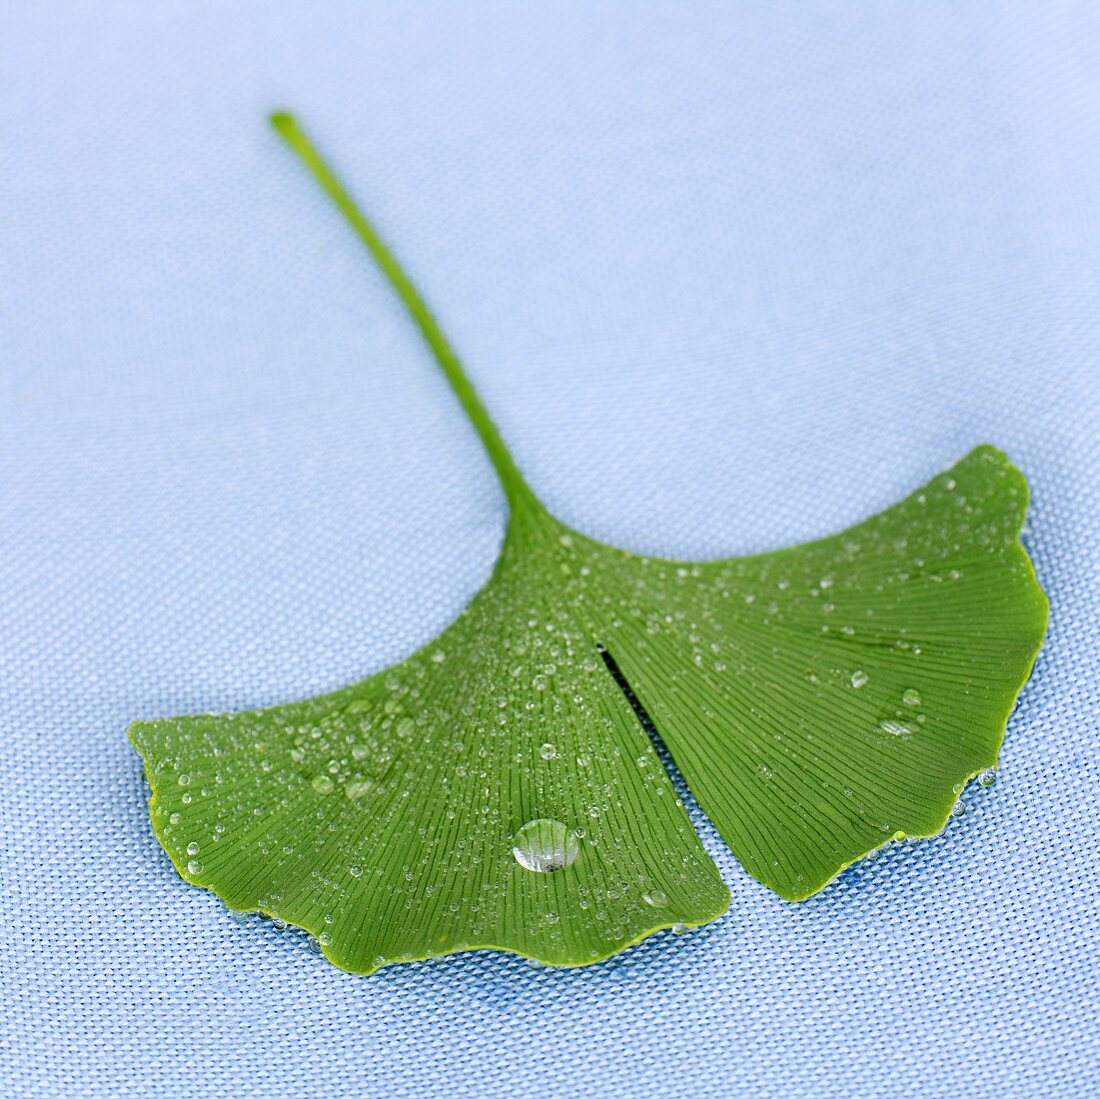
(497, 789)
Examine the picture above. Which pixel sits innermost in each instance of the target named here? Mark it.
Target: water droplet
(548, 751)
(278, 924)
(194, 866)
(911, 697)
(897, 728)
(184, 780)
(324, 938)
(958, 809)
(655, 898)
(175, 818)
(438, 656)
(679, 928)
(987, 777)
(552, 917)
(322, 784)
(544, 845)
(859, 678)
(192, 848)
(355, 871)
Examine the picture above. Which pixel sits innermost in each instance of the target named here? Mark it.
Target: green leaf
(498, 788)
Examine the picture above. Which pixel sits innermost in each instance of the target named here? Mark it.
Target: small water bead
(194, 866)
(545, 845)
(859, 678)
(987, 777)
(655, 898)
(324, 938)
(911, 697)
(679, 928)
(175, 818)
(192, 848)
(548, 751)
(958, 809)
(323, 784)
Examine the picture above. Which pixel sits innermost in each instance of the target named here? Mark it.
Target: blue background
(729, 276)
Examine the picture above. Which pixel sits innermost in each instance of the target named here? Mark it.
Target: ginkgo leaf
(499, 789)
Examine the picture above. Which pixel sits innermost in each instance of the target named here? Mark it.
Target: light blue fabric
(729, 276)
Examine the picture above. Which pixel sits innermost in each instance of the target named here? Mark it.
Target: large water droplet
(911, 697)
(322, 784)
(859, 678)
(655, 898)
(987, 777)
(897, 728)
(544, 845)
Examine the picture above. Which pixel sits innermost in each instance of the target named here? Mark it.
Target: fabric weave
(729, 276)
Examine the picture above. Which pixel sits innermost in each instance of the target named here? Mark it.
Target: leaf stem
(515, 487)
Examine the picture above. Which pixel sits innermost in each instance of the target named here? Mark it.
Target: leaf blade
(458, 753)
(916, 696)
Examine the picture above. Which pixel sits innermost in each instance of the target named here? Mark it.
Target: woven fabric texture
(729, 276)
